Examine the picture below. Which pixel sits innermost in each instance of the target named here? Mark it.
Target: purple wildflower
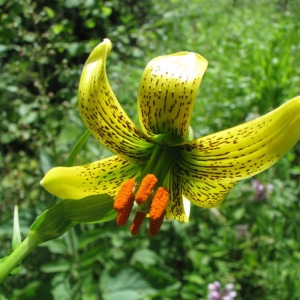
(261, 191)
(216, 293)
(242, 231)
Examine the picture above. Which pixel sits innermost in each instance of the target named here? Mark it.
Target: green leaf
(96, 208)
(50, 224)
(77, 148)
(16, 239)
(145, 257)
(88, 237)
(57, 246)
(62, 265)
(107, 11)
(127, 284)
(57, 28)
(50, 12)
(57, 220)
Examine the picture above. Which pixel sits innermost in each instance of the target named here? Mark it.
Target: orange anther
(125, 194)
(124, 201)
(137, 222)
(157, 210)
(145, 189)
(159, 203)
(124, 214)
(155, 225)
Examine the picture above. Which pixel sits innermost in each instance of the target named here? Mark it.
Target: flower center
(151, 196)
(146, 196)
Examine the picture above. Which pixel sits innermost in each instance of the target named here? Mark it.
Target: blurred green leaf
(126, 284)
(59, 266)
(50, 12)
(56, 246)
(145, 257)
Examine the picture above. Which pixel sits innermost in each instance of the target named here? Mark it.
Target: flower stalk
(9, 263)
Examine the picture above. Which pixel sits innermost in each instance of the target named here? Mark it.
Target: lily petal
(178, 208)
(103, 176)
(168, 91)
(102, 113)
(242, 151)
(206, 194)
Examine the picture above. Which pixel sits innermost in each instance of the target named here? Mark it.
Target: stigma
(150, 201)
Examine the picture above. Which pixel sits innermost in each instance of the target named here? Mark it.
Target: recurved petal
(242, 151)
(206, 194)
(102, 113)
(178, 207)
(168, 91)
(103, 176)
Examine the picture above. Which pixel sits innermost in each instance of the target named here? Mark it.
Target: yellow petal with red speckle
(168, 91)
(101, 177)
(178, 207)
(242, 151)
(102, 113)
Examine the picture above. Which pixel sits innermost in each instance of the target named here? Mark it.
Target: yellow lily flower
(159, 167)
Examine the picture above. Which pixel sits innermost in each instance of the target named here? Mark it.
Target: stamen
(145, 189)
(137, 222)
(159, 203)
(157, 210)
(155, 225)
(125, 194)
(124, 201)
(124, 214)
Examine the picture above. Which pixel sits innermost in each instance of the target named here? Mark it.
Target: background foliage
(252, 240)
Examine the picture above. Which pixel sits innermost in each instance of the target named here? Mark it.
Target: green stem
(73, 244)
(14, 259)
(79, 144)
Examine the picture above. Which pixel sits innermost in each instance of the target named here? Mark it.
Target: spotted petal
(178, 207)
(167, 93)
(103, 176)
(206, 194)
(242, 151)
(102, 112)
